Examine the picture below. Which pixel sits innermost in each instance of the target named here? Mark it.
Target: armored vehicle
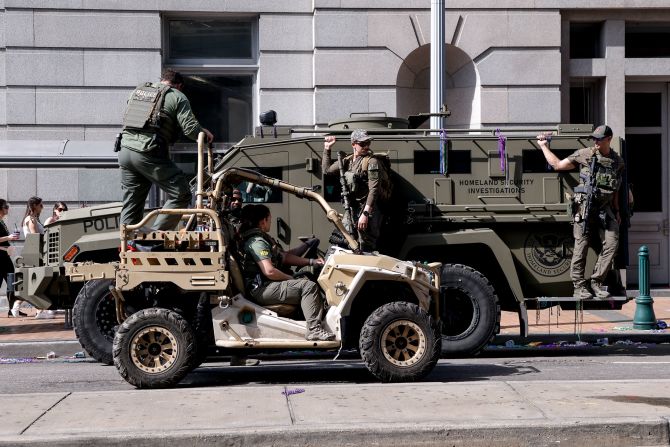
(195, 296)
(483, 203)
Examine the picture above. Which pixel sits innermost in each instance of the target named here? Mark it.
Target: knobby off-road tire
(400, 342)
(470, 311)
(154, 348)
(94, 319)
(203, 329)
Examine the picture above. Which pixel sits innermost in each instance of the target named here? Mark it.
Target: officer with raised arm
(156, 114)
(599, 215)
(369, 184)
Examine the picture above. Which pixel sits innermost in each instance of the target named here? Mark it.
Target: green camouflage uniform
(259, 246)
(603, 218)
(144, 159)
(365, 190)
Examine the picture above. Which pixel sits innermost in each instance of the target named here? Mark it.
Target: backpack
(385, 184)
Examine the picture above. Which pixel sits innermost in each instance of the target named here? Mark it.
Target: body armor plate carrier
(144, 106)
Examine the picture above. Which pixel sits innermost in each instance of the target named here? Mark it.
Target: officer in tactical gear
(155, 116)
(603, 218)
(267, 283)
(368, 183)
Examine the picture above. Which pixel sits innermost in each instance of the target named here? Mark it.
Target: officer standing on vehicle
(368, 183)
(155, 116)
(603, 218)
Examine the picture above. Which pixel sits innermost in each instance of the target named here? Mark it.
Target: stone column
(614, 40)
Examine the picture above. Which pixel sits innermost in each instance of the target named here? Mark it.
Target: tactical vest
(249, 265)
(145, 124)
(358, 181)
(607, 178)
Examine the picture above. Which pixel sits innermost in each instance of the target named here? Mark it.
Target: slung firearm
(346, 193)
(591, 191)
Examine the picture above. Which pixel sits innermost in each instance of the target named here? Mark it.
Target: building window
(644, 109)
(586, 40)
(647, 40)
(645, 172)
(219, 58)
(584, 101)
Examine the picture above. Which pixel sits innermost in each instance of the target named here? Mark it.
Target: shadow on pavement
(324, 372)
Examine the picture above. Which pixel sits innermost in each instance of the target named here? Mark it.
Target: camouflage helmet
(360, 135)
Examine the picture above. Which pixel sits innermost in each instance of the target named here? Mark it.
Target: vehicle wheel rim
(403, 343)
(154, 350)
(105, 317)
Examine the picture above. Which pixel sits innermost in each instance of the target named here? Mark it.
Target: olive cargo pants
(138, 171)
(293, 291)
(367, 239)
(610, 241)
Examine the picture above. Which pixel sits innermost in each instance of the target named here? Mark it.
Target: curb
(621, 432)
(656, 337)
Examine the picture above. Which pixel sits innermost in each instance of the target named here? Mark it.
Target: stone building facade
(67, 67)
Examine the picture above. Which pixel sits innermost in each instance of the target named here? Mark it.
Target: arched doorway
(461, 81)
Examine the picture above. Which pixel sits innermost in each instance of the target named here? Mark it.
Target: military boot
(582, 293)
(599, 290)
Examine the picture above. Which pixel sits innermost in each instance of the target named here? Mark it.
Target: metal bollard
(644, 305)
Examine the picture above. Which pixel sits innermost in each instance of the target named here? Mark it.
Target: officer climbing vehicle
(196, 296)
(484, 203)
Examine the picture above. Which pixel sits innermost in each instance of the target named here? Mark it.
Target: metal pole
(437, 62)
(644, 305)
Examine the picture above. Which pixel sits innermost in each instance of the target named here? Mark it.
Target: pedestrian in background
(33, 225)
(59, 208)
(6, 265)
(31, 220)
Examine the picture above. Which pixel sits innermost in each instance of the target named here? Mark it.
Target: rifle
(589, 189)
(345, 195)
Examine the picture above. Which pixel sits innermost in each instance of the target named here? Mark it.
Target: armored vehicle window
(332, 189)
(585, 40)
(533, 161)
(428, 162)
(254, 193)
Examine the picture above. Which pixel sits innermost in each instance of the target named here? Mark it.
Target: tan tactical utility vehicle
(487, 206)
(385, 307)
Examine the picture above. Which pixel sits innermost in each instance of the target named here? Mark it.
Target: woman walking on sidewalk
(6, 265)
(32, 224)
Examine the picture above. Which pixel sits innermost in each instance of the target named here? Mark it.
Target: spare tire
(469, 310)
(94, 319)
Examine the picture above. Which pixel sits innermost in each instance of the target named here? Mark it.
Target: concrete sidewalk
(532, 413)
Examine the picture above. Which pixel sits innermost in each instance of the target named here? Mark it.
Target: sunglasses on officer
(363, 143)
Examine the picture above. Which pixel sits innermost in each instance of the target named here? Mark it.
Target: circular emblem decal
(548, 254)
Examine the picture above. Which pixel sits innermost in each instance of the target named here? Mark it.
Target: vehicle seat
(283, 310)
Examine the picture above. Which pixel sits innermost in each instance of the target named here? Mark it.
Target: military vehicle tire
(470, 310)
(204, 330)
(154, 348)
(94, 319)
(400, 342)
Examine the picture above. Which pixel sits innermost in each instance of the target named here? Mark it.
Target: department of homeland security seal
(548, 254)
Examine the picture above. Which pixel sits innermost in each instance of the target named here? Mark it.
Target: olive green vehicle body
(510, 222)
(91, 234)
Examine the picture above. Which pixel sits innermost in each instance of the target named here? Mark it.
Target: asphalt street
(637, 361)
